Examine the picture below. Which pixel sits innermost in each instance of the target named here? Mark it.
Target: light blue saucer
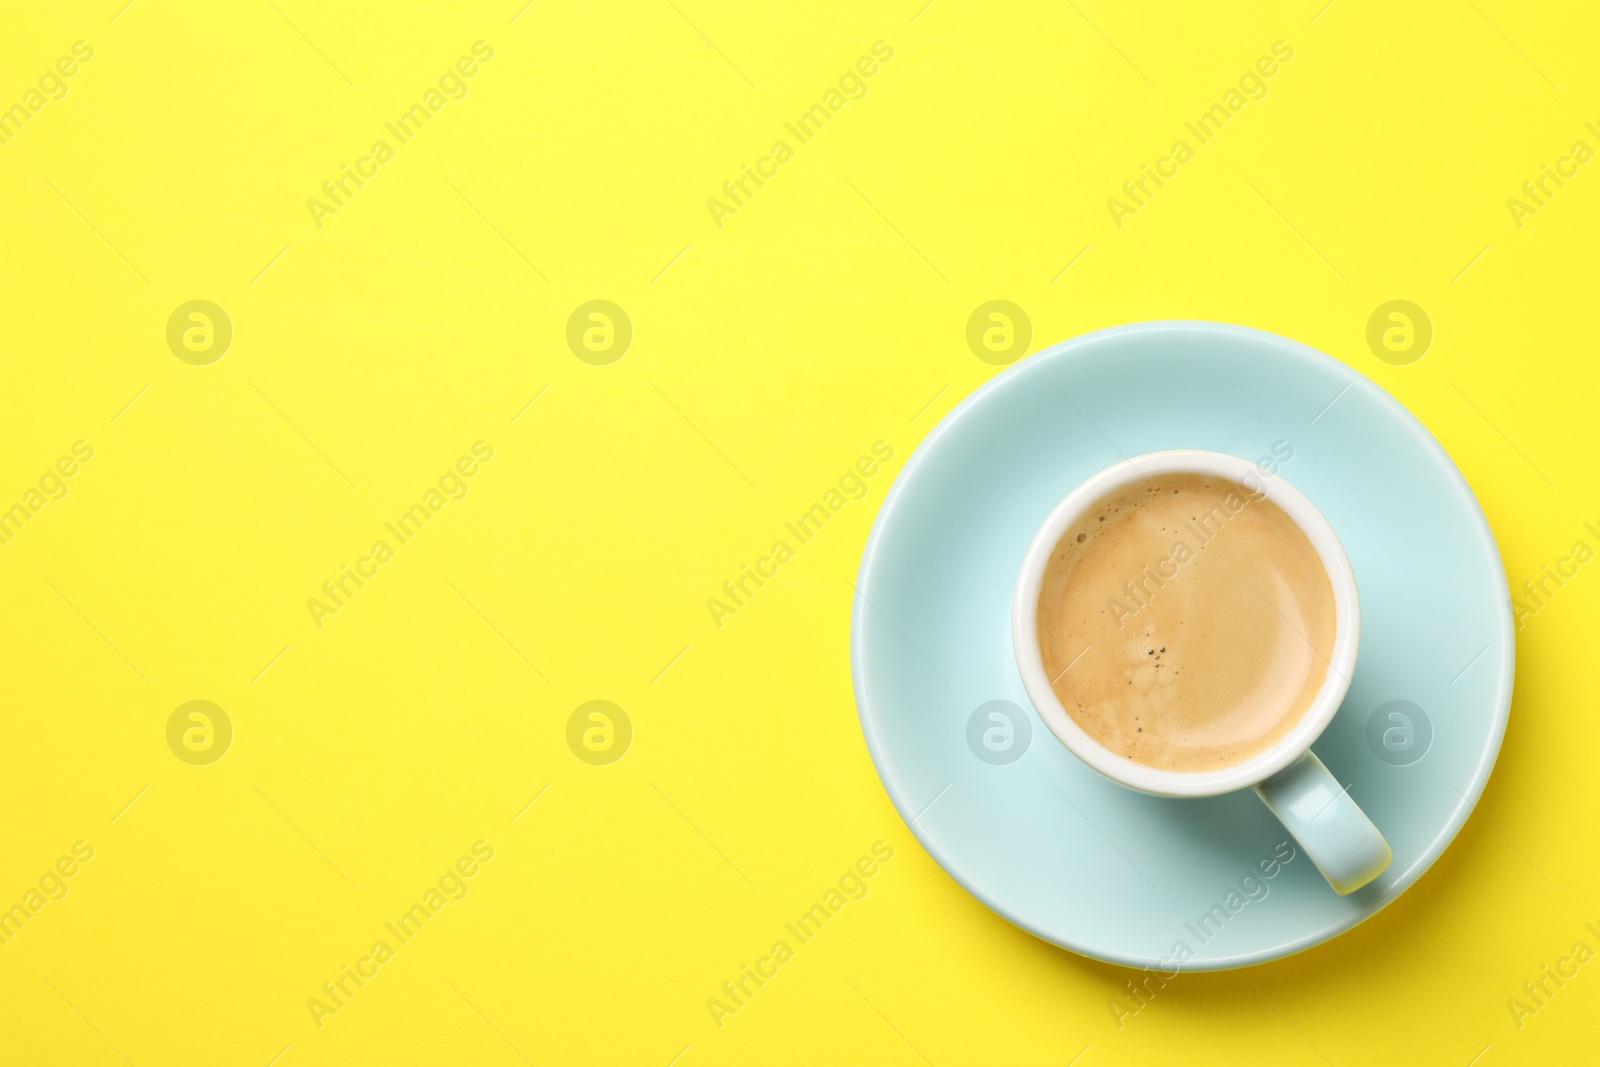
(1035, 834)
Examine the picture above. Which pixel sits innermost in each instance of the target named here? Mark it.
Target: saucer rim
(1291, 349)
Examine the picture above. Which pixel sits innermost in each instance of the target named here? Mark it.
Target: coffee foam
(1186, 622)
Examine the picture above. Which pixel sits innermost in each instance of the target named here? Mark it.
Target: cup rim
(1341, 663)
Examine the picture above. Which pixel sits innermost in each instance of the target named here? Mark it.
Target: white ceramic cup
(1343, 843)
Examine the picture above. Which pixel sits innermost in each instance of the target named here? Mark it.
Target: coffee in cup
(1186, 622)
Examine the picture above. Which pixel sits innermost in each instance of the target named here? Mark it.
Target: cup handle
(1336, 834)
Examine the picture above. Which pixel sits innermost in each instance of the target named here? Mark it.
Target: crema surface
(1186, 622)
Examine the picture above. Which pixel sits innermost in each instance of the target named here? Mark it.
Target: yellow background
(768, 355)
